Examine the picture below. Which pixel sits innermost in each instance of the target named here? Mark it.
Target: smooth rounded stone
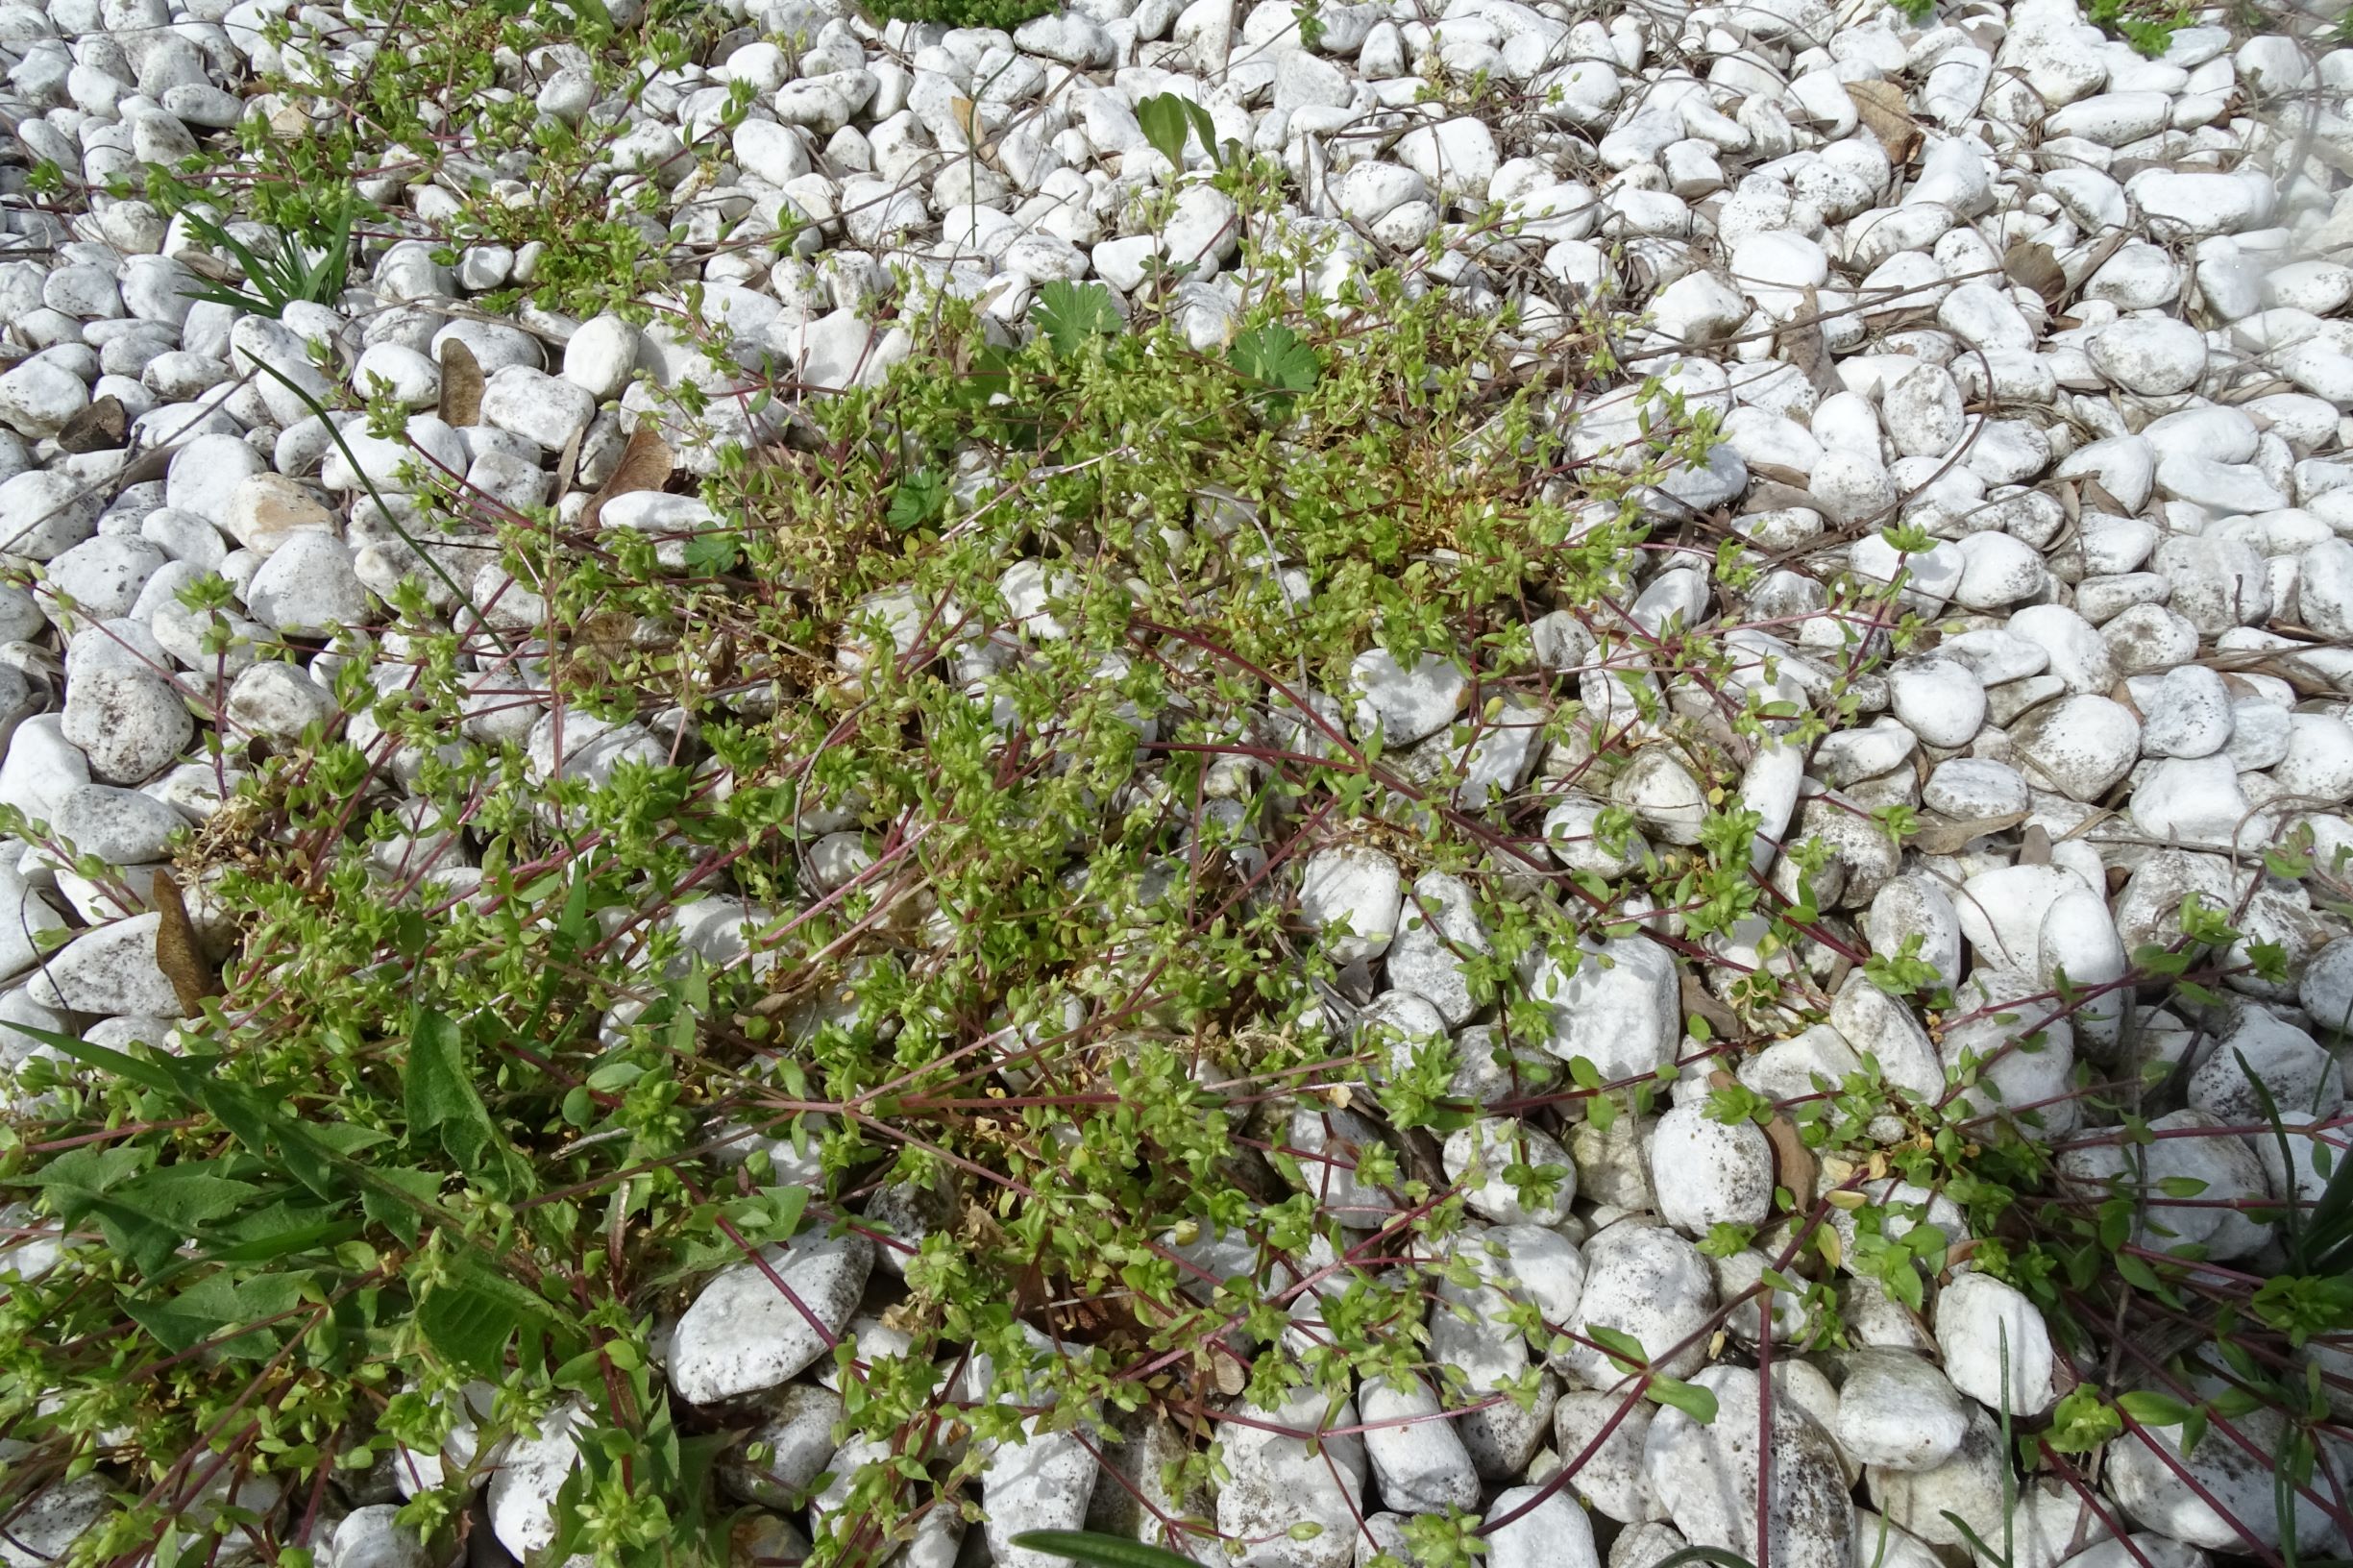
(1711, 1477)
(1620, 1009)
(1440, 931)
(1973, 790)
(1929, 576)
(1569, 835)
(2125, 465)
(402, 374)
(1916, 905)
(109, 970)
(2194, 801)
(2147, 639)
(523, 1485)
(2303, 1082)
(305, 588)
(1775, 268)
(42, 767)
(2218, 583)
(1850, 488)
(1922, 412)
(1651, 1544)
(1662, 794)
(1043, 1482)
(2001, 910)
(39, 395)
(2324, 588)
(601, 356)
(122, 827)
(1880, 1544)
(2193, 1149)
(2078, 746)
(1416, 1455)
(1884, 1029)
(2326, 988)
(2195, 205)
(24, 916)
(743, 1334)
(374, 1537)
(278, 701)
(100, 578)
(128, 722)
(1535, 1264)
(1611, 1479)
(1940, 699)
(1698, 310)
(207, 471)
(2259, 732)
(795, 1436)
(1552, 1534)
(1275, 1483)
(2188, 715)
(2078, 940)
(2226, 489)
(1356, 887)
(1646, 1282)
(1969, 1487)
(1996, 572)
(2318, 767)
(1326, 1144)
(1454, 157)
(44, 1530)
(266, 509)
(1806, 1065)
(1407, 706)
(2076, 652)
(45, 512)
(548, 409)
(1898, 1411)
(1708, 1173)
(2216, 1495)
(1371, 190)
(429, 451)
(1994, 1343)
(1479, 1157)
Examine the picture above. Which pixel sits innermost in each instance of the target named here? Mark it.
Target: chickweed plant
(678, 895)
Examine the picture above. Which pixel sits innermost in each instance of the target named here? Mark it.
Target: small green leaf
(1274, 357)
(918, 501)
(1099, 1550)
(1620, 1346)
(467, 1320)
(2154, 1410)
(438, 1084)
(1166, 124)
(1692, 1400)
(1070, 314)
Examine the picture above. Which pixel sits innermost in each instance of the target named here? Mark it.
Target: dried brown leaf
(177, 953)
(1805, 344)
(646, 464)
(568, 463)
(1779, 475)
(461, 384)
(1698, 999)
(2032, 264)
(101, 426)
(1792, 1160)
(1887, 116)
(1940, 835)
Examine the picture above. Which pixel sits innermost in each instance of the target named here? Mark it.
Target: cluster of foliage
(508, 1057)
